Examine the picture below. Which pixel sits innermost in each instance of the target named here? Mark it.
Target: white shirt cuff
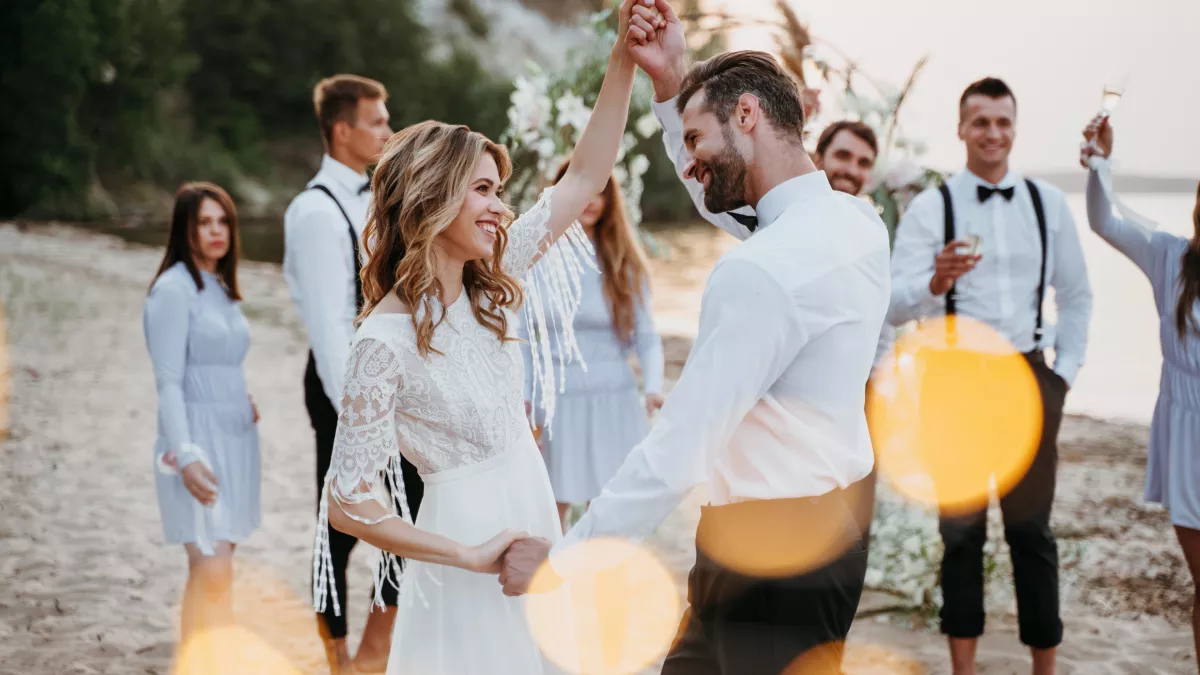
(667, 117)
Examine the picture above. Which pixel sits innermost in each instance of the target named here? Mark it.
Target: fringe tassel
(323, 584)
(388, 568)
(554, 289)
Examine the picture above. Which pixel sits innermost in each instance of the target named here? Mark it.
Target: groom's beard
(726, 190)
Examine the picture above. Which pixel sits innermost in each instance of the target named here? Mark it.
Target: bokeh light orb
(611, 619)
(759, 539)
(953, 408)
(230, 649)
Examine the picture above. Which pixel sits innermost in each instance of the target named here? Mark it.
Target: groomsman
(1029, 244)
(846, 152)
(322, 255)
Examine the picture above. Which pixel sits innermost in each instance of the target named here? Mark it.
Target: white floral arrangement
(549, 110)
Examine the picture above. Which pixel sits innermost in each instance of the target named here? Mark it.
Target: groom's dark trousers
(792, 625)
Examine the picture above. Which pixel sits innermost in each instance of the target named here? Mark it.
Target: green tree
(81, 95)
(47, 48)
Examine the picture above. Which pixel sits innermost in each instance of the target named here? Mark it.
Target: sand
(89, 586)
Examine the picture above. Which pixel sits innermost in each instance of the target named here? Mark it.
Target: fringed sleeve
(553, 290)
(366, 460)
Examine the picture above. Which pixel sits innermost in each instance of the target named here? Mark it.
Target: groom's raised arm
(749, 333)
(656, 43)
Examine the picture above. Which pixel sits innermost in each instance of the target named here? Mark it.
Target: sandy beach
(89, 587)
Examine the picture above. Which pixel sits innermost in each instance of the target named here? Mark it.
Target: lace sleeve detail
(366, 461)
(528, 236)
(553, 290)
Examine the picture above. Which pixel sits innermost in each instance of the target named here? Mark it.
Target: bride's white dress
(459, 417)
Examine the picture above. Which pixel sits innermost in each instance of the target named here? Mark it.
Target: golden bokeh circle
(230, 649)
(608, 618)
(758, 538)
(953, 408)
(270, 619)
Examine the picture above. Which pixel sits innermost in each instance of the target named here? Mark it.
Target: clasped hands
(521, 561)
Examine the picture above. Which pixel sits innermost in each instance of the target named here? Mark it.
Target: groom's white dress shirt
(318, 265)
(770, 404)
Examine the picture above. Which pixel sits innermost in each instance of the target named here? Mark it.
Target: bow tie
(366, 187)
(985, 193)
(751, 222)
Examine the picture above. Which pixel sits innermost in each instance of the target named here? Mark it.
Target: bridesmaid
(1173, 265)
(206, 454)
(598, 417)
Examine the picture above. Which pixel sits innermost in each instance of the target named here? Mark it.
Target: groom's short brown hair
(724, 78)
(335, 99)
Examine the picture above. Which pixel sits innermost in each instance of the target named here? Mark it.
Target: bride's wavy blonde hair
(418, 189)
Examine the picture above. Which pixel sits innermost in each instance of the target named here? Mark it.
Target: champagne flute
(1114, 89)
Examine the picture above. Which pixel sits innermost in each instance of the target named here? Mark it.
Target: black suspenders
(358, 290)
(1039, 210)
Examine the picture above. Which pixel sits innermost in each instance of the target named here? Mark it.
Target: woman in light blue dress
(206, 455)
(599, 416)
(1172, 264)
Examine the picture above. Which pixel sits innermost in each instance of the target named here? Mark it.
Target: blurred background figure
(599, 416)
(207, 448)
(846, 152)
(1030, 243)
(1172, 264)
(322, 257)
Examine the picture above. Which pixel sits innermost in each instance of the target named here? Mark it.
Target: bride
(435, 375)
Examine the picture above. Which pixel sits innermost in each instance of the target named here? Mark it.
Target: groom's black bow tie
(366, 187)
(750, 222)
(985, 193)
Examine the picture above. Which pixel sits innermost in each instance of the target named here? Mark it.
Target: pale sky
(1055, 54)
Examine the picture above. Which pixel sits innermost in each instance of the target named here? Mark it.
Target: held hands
(656, 43)
(488, 557)
(1097, 140)
(521, 561)
(949, 265)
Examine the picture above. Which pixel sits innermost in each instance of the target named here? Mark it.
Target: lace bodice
(441, 412)
(450, 409)
(445, 410)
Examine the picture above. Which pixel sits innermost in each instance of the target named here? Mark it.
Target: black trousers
(743, 625)
(1026, 512)
(324, 423)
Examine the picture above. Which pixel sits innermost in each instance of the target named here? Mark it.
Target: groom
(768, 411)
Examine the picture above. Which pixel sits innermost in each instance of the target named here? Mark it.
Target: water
(1119, 380)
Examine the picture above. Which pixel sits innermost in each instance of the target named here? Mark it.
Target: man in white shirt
(322, 253)
(768, 411)
(1028, 243)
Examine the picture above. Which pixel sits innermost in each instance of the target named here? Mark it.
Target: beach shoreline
(94, 590)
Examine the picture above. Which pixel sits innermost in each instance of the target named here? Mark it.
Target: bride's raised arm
(591, 162)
